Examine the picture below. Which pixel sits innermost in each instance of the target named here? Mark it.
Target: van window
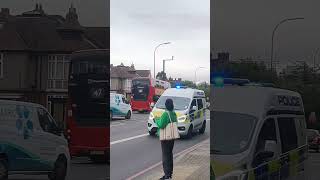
(45, 121)
(268, 132)
(200, 104)
(193, 103)
(288, 134)
(124, 100)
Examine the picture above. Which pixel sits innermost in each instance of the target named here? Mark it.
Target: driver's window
(124, 100)
(45, 121)
(193, 103)
(267, 132)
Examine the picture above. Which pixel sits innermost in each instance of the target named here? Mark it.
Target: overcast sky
(90, 12)
(138, 26)
(244, 28)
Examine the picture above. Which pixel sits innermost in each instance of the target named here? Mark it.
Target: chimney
(5, 12)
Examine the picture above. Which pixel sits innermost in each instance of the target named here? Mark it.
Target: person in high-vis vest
(167, 145)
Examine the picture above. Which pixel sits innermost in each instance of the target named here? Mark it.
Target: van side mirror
(265, 155)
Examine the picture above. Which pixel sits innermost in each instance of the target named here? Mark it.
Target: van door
(46, 135)
(192, 113)
(289, 148)
(124, 106)
(200, 113)
(267, 134)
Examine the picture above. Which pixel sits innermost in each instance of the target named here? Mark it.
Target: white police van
(257, 132)
(119, 106)
(31, 142)
(190, 107)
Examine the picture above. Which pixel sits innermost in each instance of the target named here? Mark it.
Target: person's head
(169, 105)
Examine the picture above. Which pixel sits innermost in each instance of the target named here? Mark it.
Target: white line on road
(128, 139)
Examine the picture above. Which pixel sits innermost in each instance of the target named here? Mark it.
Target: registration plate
(97, 152)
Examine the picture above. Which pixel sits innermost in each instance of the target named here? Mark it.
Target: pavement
(80, 169)
(314, 166)
(193, 163)
(134, 152)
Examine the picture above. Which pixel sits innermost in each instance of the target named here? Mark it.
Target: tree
(162, 76)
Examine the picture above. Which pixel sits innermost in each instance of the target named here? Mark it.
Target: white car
(31, 142)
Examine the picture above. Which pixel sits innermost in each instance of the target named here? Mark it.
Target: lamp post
(164, 63)
(154, 58)
(195, 73)
(274, 31)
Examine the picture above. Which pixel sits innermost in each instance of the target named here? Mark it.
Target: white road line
(128, 139)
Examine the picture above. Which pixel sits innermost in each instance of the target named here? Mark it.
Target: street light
(154, 57)
(273, 32)
(195, 73)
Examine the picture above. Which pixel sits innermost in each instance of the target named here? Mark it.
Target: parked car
(313, 139)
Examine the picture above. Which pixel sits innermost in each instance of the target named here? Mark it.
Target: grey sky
(244, 28)
(90, 13)
(137, 27)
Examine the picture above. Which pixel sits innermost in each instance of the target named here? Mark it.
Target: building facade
(35, 51)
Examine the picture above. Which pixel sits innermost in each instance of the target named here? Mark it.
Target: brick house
(35, 53)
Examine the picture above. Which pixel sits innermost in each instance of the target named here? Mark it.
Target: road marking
(183, 152)
(128, 139)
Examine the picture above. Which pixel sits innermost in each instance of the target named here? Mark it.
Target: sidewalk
(193, 163)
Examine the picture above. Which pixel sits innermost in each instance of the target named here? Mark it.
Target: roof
(11, 102)
(49, 33)
(143, 73)
(251, 100)
(188, 92)
(120, 71)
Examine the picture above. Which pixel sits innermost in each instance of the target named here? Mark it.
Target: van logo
(289, 101)
(24, 123)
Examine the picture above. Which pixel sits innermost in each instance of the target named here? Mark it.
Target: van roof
(187, 92)
(255, 100)
(11, 102)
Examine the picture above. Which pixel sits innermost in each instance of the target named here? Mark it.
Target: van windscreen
(180, 103)
(231, 132)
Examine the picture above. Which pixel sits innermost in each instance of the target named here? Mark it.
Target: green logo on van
(24, 123)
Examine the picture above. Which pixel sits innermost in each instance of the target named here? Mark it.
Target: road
(133, 150)
(314, 166)
(81, 169)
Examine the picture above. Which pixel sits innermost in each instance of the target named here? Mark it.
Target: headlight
(151, 116)
(182, 118)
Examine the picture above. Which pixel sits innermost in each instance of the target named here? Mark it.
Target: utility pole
(164, 64)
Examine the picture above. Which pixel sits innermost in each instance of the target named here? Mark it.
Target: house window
(1, 65)
(58, 71)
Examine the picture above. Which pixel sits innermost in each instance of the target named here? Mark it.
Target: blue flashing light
(178, 87)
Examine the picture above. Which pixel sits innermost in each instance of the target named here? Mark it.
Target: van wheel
(3, 168)
(128, 116)
(190, 132)
(152, 133)
(203, 128)
(60, 169)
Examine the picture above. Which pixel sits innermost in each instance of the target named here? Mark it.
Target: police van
(257, 133)
(119, 106)
(31, 142)
(190, 107)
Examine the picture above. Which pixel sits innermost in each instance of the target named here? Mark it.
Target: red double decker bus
(87, 118)
(145, 92)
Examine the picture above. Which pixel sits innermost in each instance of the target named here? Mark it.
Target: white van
(257, 132)
(31, 142)
(190, 107)
(119, 106)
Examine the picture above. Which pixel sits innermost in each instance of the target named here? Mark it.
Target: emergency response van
(119, 106)
(189, 105)
(31, 142)
(257, 133)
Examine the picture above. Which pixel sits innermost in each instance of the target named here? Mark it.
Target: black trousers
(167, 157)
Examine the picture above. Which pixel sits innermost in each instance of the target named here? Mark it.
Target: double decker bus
(145, 93)
(87, 121)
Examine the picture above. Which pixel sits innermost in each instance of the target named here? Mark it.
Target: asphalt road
(80, 169)
(314, 166)
(133, 150)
